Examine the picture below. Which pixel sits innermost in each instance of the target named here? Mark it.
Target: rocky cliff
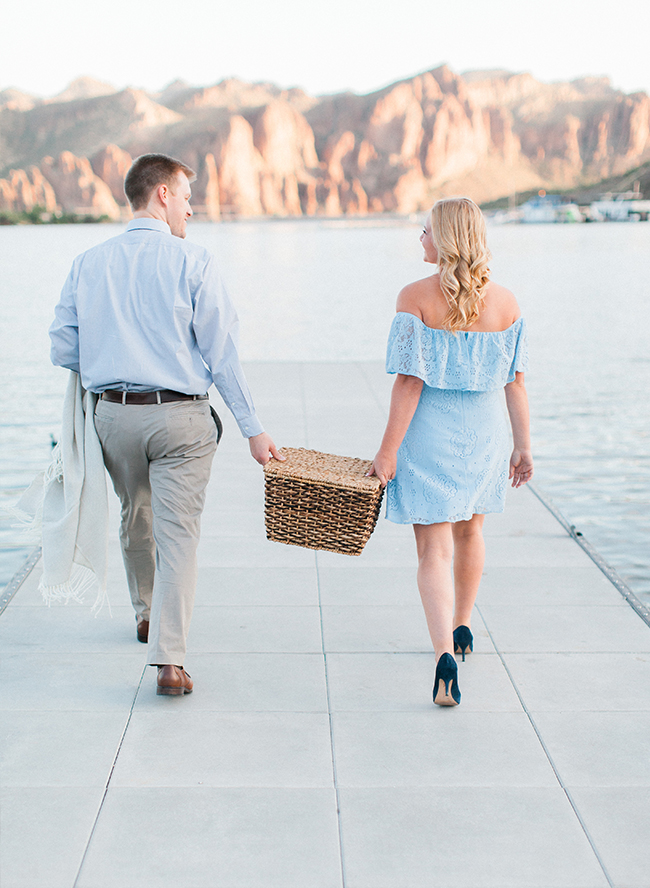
(76, 186)
(261, 150)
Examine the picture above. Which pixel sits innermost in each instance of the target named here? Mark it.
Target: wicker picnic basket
(321, 501)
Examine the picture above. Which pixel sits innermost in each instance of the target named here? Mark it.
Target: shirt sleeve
(216, 328)
(64, 331)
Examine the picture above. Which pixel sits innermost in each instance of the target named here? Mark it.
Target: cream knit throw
(68, 503)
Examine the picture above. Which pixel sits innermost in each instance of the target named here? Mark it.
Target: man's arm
(64, 331)
(216, 328)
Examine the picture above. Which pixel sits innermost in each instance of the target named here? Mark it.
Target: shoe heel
(463, 641)
(170, 692)
(445, 685)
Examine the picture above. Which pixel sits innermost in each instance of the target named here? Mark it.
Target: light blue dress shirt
(146, 310)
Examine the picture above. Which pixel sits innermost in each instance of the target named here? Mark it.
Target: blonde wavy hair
(458, 231)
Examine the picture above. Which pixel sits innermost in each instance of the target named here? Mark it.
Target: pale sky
(321, 47)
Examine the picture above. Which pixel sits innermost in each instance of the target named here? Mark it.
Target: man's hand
(263, 449)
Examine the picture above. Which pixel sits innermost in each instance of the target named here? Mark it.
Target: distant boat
(550, 208)
(625, 206)
(504, 217)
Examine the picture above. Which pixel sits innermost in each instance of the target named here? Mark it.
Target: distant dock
(310, 754)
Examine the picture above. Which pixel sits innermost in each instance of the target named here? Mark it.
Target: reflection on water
(309, 290)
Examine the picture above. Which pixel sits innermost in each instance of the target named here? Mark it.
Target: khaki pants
(159, 458)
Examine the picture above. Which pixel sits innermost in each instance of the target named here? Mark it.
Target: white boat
(505, 217)
(625, 206)
(550, 208)
(540, 209)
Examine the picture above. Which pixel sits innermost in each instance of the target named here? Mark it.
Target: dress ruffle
(470, 362)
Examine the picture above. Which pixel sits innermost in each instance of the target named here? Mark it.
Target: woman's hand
(521, 467)
(384, 467)
(403, 403)
(521, 461)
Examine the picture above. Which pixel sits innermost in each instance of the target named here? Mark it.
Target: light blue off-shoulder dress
(453, 462)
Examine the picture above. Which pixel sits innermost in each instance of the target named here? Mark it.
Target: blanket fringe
(30, 526)
(82, 580)
(28, 511)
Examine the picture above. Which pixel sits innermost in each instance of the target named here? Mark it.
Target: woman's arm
(521, 461)
(404, 399)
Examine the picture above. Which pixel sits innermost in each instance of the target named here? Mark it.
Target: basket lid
(323, 468)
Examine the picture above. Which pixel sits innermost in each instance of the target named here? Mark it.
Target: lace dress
(453, 462)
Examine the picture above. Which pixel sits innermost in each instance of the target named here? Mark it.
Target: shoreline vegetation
(640, 175)
(40, 216)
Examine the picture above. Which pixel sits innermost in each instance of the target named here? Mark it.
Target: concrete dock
(310, 754)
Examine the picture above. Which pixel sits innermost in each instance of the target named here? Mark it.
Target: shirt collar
(149, 223)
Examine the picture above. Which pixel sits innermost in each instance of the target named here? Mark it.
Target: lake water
(325, 291)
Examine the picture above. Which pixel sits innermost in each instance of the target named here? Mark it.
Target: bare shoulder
(414, 297)
(503, 302)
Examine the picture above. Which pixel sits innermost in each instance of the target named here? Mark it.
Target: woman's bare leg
(469, 558)
(435, 552)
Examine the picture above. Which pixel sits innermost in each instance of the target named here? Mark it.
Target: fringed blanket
(68, 506)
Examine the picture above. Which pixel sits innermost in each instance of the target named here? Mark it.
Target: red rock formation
(409, 191)
(205, 190)
(231, 94)
(367, 155)
(395, 127)
(338, 156)
(354, 200)
(327, 195)
(308, 197)
(77, 188)
(239, 164)
(493, 133)
(258, 149)
(22, 191)
(456, 141)
(84, 88)
(501, 135)
(285, 142)
(112, 164)
(15, 100)
(637, 124)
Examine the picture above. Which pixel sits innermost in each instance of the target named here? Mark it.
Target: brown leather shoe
(174, 681)
(142, 631)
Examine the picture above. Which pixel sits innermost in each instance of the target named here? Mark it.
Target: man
(144, 318)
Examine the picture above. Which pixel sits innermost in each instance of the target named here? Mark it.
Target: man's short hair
(148, 172)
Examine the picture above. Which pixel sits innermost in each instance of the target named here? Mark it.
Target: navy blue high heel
(463, 641)
(445, 685)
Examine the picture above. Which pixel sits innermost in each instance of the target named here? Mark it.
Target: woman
(457, 339)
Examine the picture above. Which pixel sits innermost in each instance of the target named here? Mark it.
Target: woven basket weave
(321, 501)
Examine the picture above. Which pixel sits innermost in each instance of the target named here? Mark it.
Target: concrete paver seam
(331, 730)
(108, 780)
(637, 606)
(548, 755)
(303, 393)
(303, 397)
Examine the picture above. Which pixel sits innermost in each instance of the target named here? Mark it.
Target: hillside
(260, 150)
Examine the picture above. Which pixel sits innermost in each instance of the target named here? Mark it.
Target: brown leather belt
(164, 396)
